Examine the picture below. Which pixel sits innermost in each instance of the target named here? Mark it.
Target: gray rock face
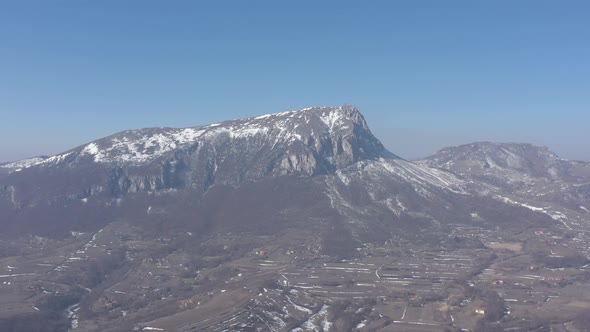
(307, 142)
(488, 158)
(508, 164)
(269, 166)
(8, 192)
(329, 146)
(522, 172)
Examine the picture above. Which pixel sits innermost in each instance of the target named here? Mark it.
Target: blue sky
(426, 74)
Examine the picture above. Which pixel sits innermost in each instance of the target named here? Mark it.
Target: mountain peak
(144, 145)
(487, 158)
(505, 152)
(308, 126)
(311, 141)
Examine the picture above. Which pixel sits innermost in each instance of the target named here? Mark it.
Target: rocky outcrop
(307, 142)
(520, 170)
(9, 193)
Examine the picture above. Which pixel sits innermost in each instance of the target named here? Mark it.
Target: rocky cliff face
(522, 173)
(509, 164)
(487, 158)
(307, 142)
(328, 151)
(357, 172)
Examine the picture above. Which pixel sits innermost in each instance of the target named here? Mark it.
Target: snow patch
(21, 164)
(361, 324)
(331, 119)
(345, 179)
(263, 116)
(298, 307)
(555, 215)
(91, 149)
(317, 322)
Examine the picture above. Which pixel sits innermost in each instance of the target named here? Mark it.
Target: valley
(283, 282)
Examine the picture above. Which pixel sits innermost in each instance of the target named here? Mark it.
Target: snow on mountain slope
(423, 176)
(361, 175)
(397, 185)
(524, 175)
(136, 147)
(24, 163)
(308, 142)
(512, 161)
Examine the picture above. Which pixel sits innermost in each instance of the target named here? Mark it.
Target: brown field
(512, 246)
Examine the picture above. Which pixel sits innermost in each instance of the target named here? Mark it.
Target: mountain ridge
(253, 207)
(311, 141)
(306, 142)
(525, 158)
(309, 125)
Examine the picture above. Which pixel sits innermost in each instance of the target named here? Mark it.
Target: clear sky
(426, 74)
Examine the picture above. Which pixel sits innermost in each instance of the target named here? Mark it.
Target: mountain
(509, 163)
(330, 146)
(523, 172)
(295, 221)
(307, 142)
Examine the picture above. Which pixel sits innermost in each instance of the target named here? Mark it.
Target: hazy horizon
(426, 75)
(405, 142)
